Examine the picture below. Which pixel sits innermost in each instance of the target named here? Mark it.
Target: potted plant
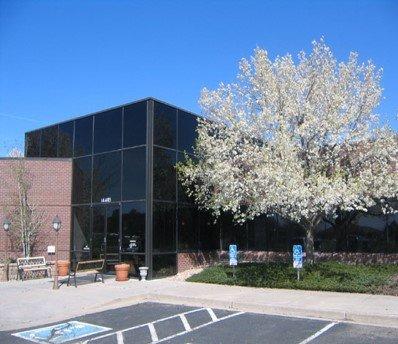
(63, 267)
(143, 272)
(122, 272)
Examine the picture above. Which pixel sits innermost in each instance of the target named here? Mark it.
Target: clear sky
(60, 59)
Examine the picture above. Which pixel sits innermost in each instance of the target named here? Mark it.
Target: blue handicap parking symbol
(61, 333)
(297, 256)
(233, 255)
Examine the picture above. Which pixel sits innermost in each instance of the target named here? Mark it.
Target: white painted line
(143, 325)
(198, 327)
(185, 322)
(212, 315)
(119, 337)
(154, 335)
(317, 334)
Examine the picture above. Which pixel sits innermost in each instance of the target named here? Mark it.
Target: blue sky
(60, 59)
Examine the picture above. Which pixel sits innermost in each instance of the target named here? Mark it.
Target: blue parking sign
(233, 255)
(297, 256)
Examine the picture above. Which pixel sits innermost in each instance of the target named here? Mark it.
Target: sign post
(233, 257)
(298, 259)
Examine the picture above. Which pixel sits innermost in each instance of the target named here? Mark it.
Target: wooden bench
(88, 266)
(32, 264)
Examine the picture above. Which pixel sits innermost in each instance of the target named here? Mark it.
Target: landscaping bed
(326, 276)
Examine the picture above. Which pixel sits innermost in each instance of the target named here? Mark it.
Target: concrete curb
(360, 318)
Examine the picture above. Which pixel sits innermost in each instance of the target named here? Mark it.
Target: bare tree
(25, 217)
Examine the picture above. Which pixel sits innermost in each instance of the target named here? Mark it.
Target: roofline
(113, 108)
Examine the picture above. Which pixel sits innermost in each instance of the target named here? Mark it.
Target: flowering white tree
(297, 138)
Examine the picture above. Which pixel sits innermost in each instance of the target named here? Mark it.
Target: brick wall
(51, 190)
(192, 260)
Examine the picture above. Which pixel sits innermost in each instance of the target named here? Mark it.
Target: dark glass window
(98, 238)
(135, 125)
(187, 125)
(81, 229)
(33, 144)
(188, 228)
(65, 140)
(107, 177)
(209, 233)
(164, 174)
(82, 180)
(164, 265)
(164, 229)
(108, 131)
(83, 136)
(133, 227)
(165, 125)
(134, 172)
(135, 261)
(49, 138)
(181, 189)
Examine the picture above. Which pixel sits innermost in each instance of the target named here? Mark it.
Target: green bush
(327, 276)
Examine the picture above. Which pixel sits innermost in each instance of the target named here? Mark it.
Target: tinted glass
(209, 232)
(65, 140)
(82, 180)
(134, 172)
(164, 265)
(164, 230)
(164, 174)
(81, 229)
(83, 136)
(187, 125)
(49, 139)
(112, 232)
(135, 125)
(107, 177)
(188, 228)
(133, 227)
(135, 261)
(33, 144)
(165, 125)
(98, 238)
(183, 196)
(108, 131)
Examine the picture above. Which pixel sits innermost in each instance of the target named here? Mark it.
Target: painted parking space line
(119, 338)
(211, 313)
(152, 330)
(317, 334)
(149, 325)
(185, 322)
(199, 327)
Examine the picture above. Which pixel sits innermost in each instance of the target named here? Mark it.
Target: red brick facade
(187, 261)
(50, 193)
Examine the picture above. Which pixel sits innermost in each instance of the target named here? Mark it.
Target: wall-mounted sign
(50, 249)
(106, 200)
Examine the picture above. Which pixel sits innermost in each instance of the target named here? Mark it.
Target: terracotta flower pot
(122, 272)
(63, 267)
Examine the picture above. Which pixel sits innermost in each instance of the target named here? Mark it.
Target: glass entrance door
(106, 234)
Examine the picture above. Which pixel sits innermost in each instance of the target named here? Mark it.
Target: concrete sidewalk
(34, 303)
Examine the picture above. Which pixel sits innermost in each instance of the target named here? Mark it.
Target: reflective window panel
(134, 173)
(107, 177)
(165, 125)
(65, 140)
(49, 139)
(82, 180)
(135, 261)
(164, 265)
(164, 227)
(82, 229)
(83, 136)
(33, 144)
(164, 174)
(187, 125)
(188, 228)
(182, 190)
(135, 124)
(108, 131)
(133, 227)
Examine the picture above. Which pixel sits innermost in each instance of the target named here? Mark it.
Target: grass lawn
(327, 276)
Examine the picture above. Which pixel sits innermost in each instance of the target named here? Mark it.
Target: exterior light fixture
(56, 227)
(6, 225)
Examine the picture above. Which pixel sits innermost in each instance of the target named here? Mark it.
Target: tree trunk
(309, 244)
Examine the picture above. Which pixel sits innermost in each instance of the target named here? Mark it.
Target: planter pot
(63, 267)
(143, 272)
(122, 272)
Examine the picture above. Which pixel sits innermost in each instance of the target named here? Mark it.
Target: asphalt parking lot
(163, 323)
